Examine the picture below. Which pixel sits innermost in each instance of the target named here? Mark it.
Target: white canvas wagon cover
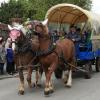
(73, 14)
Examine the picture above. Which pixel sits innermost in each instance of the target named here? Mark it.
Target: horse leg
(65, 76)
(46, 90)
(39, 73)
(48, 84)
(21, 86)
(29, 75)
(51, 88)
(69, 82)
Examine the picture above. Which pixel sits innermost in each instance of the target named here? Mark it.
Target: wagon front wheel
(88, 68)
(97, 66)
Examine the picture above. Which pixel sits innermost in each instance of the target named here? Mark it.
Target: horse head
(41, 27)
(15, 34)
(20, 41)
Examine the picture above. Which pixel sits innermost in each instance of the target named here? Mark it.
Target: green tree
(20, 8)
(86, 4)
(34, 9)
(41, 6)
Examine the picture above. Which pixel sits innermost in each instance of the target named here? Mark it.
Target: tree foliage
(34, 9)
(12, 9)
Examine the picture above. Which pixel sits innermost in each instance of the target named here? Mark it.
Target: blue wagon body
(85, 52)
(97, 53)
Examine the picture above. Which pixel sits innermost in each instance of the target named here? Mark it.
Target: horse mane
(22, 38)
(45, 33)
(23, 44)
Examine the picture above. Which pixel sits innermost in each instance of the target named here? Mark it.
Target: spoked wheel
(97, 66)
(88, 68)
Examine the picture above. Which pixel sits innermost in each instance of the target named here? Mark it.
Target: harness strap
(67, 63)
(28, 65)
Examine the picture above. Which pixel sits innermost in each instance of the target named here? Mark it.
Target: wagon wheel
(97, 66)
(88, 68)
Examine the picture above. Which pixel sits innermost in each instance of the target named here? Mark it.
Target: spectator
(2, 55)
(10, 68)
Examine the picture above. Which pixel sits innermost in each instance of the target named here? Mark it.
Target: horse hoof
(21, 92)
(46, 93)
(51, 91)
(65, 82)
(33, 85)
(39, 85)
(68, 86)
(87, 76)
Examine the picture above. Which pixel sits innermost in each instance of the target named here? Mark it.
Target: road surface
(82, 89)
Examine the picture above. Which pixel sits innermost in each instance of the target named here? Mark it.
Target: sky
(3, 1)
(95, 8)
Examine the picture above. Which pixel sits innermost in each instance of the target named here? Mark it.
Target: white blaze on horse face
(45, 22)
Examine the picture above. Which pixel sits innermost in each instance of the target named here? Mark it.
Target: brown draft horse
(23, 55)
(51, 60)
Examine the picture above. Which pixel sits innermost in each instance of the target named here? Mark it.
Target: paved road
(82, 89)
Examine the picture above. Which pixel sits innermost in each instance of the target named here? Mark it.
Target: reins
(26, 66)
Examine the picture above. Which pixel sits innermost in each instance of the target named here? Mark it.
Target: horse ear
(9, 27)
(45, 22)
(18, 27)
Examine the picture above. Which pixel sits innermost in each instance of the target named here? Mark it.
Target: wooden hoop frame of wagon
(62, 14)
